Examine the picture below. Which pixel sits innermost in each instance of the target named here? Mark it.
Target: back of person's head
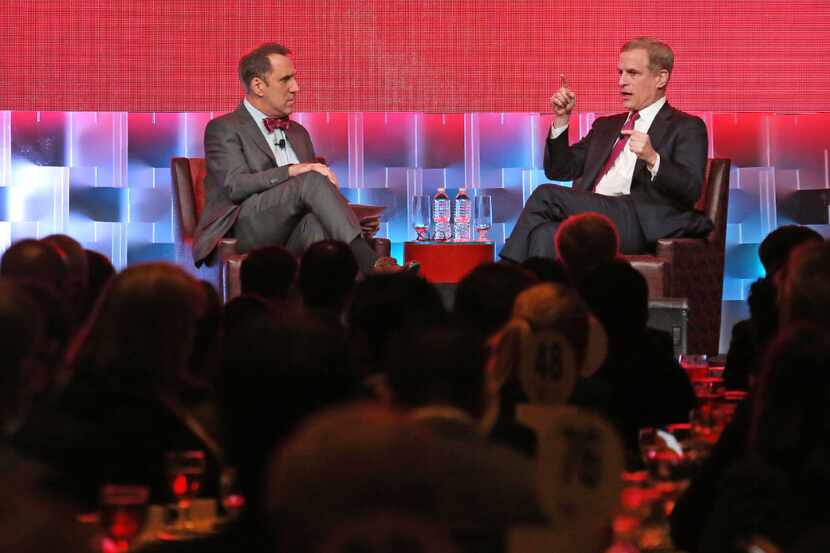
(56, 335)
(617, 294)
(23, 328)
(101, 271)
(142, 333)
(327, 274)
(441, 366)
(585, 241)
(385, 304)
(361, 461)
(776, 247)
(77, 280)
(269, 272)
(274, 375)
(35, 260)
(804, 294)
(791, 407)
(547, 269)
(552, 307)
(484, 297)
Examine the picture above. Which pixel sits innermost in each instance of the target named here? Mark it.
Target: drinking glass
(185, 470)
(695, 365)
(231, 500)
(123, 514)
(483, 215)
(420, 216)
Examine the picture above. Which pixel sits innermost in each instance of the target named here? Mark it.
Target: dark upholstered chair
(189, 195)
(692, 268)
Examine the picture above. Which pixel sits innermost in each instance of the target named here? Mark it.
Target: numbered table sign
(580, 463)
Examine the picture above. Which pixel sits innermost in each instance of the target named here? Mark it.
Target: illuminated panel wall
(104, 178)
(437, 56)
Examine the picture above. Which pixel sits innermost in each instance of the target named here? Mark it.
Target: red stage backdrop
(409, 55)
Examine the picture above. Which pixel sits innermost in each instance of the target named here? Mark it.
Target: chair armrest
(696, 268)
(226, 249)
(676, 250)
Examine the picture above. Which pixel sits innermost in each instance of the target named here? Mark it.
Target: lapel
(660, 125)
(298, 143)
(657, 131)
(249, 128)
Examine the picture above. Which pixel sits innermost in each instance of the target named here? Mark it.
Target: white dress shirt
(284, 156)
(617, 181)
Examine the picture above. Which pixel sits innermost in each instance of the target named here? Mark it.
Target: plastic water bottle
(462, 217)
(441, 216)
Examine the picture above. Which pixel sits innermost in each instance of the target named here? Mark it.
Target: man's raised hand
(562, 102)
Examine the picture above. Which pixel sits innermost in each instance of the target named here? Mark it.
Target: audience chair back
(692, 268)
(188, 175)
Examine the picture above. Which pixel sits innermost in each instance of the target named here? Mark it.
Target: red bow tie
(274, 123)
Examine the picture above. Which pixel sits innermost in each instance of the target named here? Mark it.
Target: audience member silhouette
(327, 278)
(269, 272)
(440, 368)
(779, 488)
(100, 273)
(647, 385)
(77, 279)
(803, 297)
(388, 464)
(279, 367)
(384, 305)
(484, 297)
(33, 517)
(547, 269)
(804, 293)
(586, 241)
(35, 260)
(23, 330)
(750, 336)
(543, 308)
(126, 403)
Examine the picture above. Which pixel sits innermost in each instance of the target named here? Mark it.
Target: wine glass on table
(483, 216)
(185, 471)
(123, 515)
(420, 216)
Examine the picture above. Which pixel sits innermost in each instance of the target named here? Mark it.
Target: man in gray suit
(263, 185)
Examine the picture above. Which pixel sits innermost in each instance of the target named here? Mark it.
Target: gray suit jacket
(240, 163)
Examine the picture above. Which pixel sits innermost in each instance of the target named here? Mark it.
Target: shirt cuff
(555, 132)
(653, 170)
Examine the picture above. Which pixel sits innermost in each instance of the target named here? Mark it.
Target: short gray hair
(660, 54)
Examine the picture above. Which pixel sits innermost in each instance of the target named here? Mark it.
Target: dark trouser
(551, 204)
(295, 214)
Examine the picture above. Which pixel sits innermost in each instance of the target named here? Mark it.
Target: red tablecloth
(448, 262)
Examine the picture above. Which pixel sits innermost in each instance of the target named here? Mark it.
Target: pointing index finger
(563, 82)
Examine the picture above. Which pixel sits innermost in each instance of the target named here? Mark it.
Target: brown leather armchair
(692, 268)
(189, 196)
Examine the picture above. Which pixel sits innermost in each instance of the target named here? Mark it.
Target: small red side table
(448, 262)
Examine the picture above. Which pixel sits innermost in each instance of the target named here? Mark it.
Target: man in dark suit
(644, 168)
(263, 185)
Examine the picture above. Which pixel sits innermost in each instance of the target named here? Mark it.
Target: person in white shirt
(644, 168)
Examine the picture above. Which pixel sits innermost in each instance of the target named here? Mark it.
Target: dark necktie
(274, 123)
(618, 147)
